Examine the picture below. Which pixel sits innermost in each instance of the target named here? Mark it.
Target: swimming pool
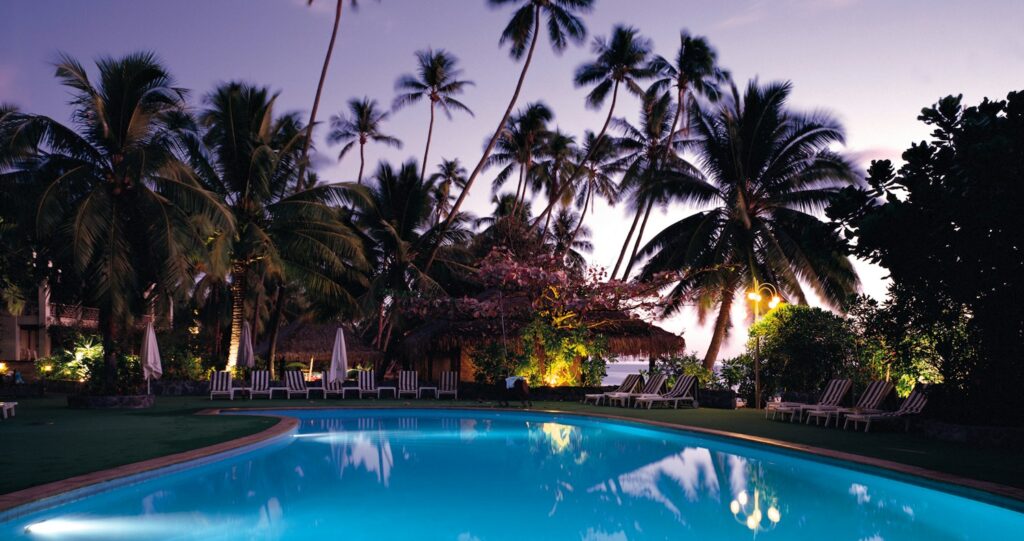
(482, 476)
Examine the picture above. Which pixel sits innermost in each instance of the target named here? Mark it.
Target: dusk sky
(873, 63)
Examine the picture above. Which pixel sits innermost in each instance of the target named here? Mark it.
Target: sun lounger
(868, 402)
(631, 382)
(449, 385)
(651, 388)
(682, 391)
(910, 407)
(259, 384)
(336, 388)
(7, 409)
(408, 383)
(368, 384)
(295, 384)
(833, 394)
(220, 385)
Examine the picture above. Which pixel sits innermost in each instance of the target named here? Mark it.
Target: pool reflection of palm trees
(362, 444)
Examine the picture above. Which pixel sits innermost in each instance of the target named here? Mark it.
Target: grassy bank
(47, 441)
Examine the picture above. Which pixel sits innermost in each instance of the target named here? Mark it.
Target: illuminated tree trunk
(238, 291)
(721, 325)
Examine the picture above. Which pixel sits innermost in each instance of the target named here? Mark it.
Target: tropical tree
(519, 146)
(769, 169)
(653, 172)
(320, 85)
(286, 232)
(693, 74)
(570, 239)
(360, 126)
(118, 201)
(450, 173)
(600, 163)
(559, 154)
(396, 213)
(621, 60)
(522, 32)
(437, 79)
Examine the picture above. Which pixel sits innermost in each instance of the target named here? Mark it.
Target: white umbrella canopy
(149, 355)
(339, 358)
(246, 357)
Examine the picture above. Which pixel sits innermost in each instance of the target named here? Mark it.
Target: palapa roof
(300, 341)
(625, 335)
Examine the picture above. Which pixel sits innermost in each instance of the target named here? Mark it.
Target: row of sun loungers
(634, 391)
(222, 386)
(865, 411)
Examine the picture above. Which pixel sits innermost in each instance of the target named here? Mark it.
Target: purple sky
(873, 63)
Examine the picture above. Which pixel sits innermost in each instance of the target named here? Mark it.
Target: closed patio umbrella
(149, 355)
(246, 357)
(339, 358)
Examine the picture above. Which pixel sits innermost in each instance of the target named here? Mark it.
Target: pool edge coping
(284, 425)
(38, 493)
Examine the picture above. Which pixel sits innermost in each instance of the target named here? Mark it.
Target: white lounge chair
(7, 409)
(220, 385)
(336, 388)
(295, 384)
(368, 384)
(833, 394)
(651, 388)
(682, 391)
(449, 385)
(869, 400)
(259, 384)
(910, 407)
(408, 383)
(631, 382)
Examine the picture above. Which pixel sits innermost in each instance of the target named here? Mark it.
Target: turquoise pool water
(482, 476)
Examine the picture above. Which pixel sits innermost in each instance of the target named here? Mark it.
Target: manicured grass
(48, 442)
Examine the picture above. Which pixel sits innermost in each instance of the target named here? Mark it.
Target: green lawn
(47, 441)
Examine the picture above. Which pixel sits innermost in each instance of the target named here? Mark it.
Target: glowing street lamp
(755, 296)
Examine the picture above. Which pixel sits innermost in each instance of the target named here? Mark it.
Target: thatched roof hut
(301, 341)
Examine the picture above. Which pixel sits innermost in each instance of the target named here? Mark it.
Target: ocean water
(616, 372)
(488, 476)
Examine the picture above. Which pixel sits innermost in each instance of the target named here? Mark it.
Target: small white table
(419, 393)
(394, 391)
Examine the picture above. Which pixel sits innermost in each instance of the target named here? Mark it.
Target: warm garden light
(774, 302)
(754, 296)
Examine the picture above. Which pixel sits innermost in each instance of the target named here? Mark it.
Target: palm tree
(361, 126)
(450, 173)
(118, 200)
(320, 85)
(522, 32)
(571, 239)
(286, 231)
(770, 168)
(438, 80)
(519, 145)
(694, 74)
(559, 152)
(621, 60)
(601, 161)
(652, 174)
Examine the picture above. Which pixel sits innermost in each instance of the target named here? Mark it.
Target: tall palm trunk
(362, 161)
(519, 189)
(597, 143)
(490, 144)
(639, 237)
(629, 236)
(583, 214)
(238, 292)
(319, 91)
(426, 152)
(721, 325)
(275, 327)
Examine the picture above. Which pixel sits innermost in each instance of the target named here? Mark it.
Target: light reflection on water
(475, 476)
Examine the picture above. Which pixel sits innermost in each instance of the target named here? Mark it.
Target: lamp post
(757, 293)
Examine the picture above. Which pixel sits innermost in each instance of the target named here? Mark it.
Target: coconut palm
(694, 74)
(621, 60)
(360, 126)
(522, 33)
(286, 231)
(653, 172)
(118, 200)
(559, 153)
(437, 79)
(600, 163)
(769, 169)
(570, 239)
(320, 85)
(519, 146)
(450, 173)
